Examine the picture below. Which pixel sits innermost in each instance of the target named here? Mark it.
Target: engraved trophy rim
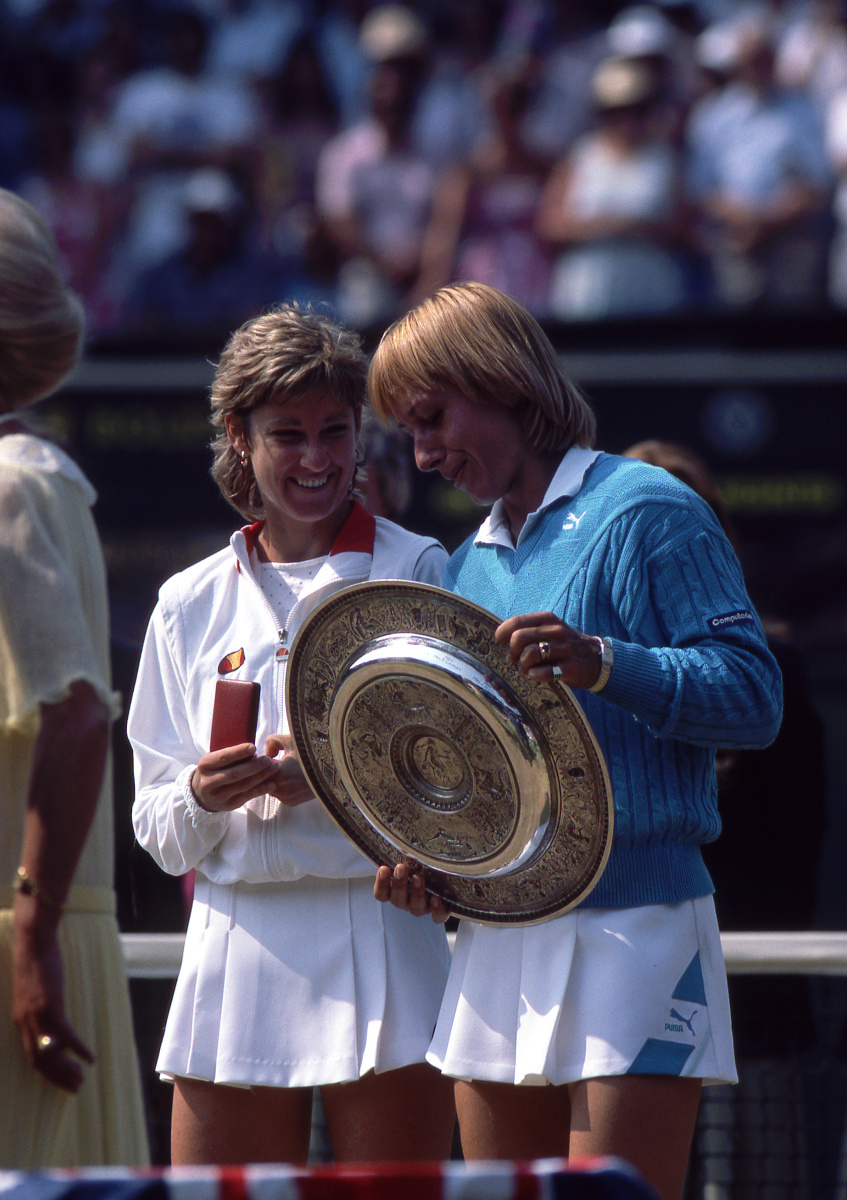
(426, 746)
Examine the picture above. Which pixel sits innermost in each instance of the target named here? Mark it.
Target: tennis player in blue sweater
(590, 1033)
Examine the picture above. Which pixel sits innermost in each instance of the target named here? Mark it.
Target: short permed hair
(42, 322)
(477, 339)
(284, 354)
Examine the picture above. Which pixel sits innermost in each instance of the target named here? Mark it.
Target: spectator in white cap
(642, 31)
(760, 180)
(373, 186)
(716, 55)
(648, 34)
(217, 279)
(613, 206)
(392, 31)
(172, 118)
(812, 50)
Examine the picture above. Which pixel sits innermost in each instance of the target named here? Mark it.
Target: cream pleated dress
(54, 629)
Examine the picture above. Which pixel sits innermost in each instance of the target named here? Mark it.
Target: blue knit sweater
(647, 565)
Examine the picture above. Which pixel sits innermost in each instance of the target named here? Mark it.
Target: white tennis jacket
(211, 620)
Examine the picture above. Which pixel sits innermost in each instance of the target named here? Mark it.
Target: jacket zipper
(282, 648)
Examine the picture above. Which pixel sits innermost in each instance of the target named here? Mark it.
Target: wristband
(607, 660)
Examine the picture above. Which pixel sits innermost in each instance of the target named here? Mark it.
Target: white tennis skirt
(594, 992)
(301, 984)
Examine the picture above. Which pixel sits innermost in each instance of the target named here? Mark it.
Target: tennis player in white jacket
(293, 976)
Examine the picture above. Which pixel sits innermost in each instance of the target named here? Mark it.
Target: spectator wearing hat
(759, 179)
(613, 207)
(217, 279)
(373, 188)
(660, 37)
(811, 51)
(172, 118)
(374, 182)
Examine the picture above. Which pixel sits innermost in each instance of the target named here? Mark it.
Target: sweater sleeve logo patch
(729, 619)
(231, 663)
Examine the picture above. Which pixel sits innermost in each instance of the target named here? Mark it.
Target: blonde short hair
(42, 321)
(284, 354)
(477, 339)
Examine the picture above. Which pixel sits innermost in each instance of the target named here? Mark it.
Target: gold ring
(46, 1041)
(544, 647)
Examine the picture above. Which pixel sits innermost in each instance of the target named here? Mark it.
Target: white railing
(152, 955)
(158, 955)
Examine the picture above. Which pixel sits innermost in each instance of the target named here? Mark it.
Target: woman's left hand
(538, 642)
(288, 783)
(406, 890)
(51, 1044)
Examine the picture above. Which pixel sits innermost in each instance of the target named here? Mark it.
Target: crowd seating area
(199, 161)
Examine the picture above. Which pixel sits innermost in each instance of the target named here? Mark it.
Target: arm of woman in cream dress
(68, 764)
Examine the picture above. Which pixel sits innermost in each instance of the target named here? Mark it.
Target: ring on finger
(46, 1042)
(544, 648)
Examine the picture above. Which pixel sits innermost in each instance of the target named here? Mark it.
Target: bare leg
(646, 1119)
(218, 1125)
(403, 1115)
(500, 1120)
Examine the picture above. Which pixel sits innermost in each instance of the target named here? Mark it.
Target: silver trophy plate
(428, 748)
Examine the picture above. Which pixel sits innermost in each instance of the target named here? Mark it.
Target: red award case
(236, 713)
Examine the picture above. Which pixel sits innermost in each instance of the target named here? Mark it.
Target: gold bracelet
(29, 887)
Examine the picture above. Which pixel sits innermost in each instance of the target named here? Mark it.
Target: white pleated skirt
(302, 984)
(592, 993)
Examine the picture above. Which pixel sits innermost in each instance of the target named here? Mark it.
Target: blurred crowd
(200, 161)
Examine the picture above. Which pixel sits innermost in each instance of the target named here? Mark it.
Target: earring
(244, 458)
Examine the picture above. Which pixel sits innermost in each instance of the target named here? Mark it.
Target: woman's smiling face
(303, 455)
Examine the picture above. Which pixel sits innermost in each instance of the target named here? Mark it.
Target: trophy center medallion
(431, 769)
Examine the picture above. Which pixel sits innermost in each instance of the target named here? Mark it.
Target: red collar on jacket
(355, 536)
